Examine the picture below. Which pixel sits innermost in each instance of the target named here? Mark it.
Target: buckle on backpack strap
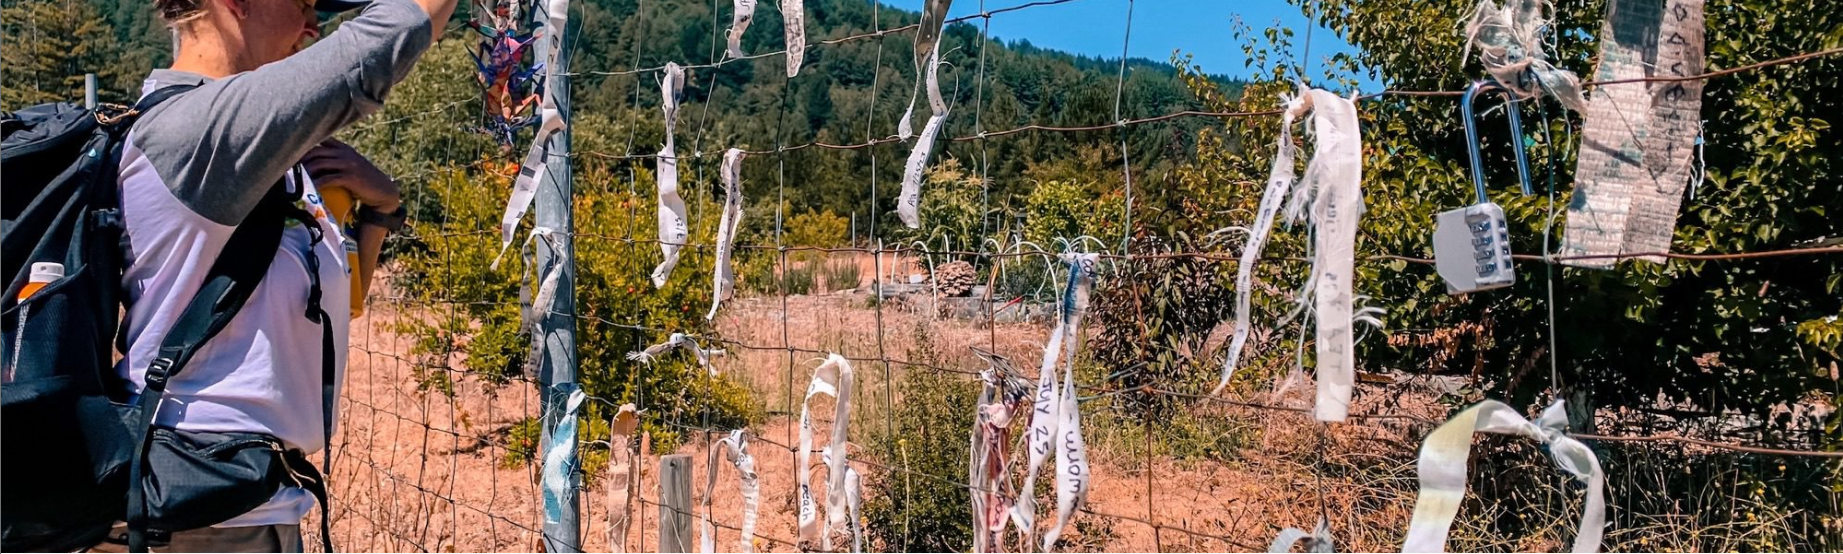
(157, 373)
(114, 113)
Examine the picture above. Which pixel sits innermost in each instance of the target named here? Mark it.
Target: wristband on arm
(392, 221)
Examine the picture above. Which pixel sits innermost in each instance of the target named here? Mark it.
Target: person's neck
(207, 55)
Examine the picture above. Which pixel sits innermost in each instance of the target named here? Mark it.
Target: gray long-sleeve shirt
(193, 169)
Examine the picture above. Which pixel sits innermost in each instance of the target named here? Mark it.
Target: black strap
(228, 285)
(328, 369)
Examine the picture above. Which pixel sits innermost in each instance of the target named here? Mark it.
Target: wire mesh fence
(439, 437)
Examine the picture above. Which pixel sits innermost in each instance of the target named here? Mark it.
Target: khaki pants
(261, 538)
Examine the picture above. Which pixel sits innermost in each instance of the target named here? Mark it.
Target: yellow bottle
(338, 202)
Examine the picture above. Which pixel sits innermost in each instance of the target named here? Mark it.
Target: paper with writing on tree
(1639, 137)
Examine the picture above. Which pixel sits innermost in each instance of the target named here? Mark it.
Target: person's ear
(238, 8)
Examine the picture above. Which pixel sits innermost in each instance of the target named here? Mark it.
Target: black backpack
(74, 440)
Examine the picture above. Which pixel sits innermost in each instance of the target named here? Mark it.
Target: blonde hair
(176, 13)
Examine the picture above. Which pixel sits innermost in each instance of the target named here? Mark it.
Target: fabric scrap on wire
(735, 447)
(832, 378)
(793, 15)
(1447, 451)
(1072, 477)
(1047, 418)
(1002, 397)
(739, 23)
(908, 206)
(1509, 40)
(560, 454)
(854, 500)
(621, 476)
(1319, 540)
(525, 186)
(1333, 179)
(724, 275)
(1279, 183)
(676, 341)
(673, 227)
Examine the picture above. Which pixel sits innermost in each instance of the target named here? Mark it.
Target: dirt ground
(415, 471)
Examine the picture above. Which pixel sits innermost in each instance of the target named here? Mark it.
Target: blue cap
(336, 6)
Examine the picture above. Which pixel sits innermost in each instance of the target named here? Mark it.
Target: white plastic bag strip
(560, 456)
(1319, 540)
(1510, 45)
(620, 508)
(1334, 178)
(832, 378)
(1279, 182)
(678, 340)
(1072, 478)
(1046, 419)
(525, 186)
(793, 14)
(908, 206)
(854, 500)
(735, 447)
(1447, 450)
(725, 277)
(739, 22)
(673, 227)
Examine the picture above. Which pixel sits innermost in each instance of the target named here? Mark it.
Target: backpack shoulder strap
(227, 287)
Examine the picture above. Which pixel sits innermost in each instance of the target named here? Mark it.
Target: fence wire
(450, 467)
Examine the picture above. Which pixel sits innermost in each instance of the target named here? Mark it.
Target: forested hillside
(847, 93)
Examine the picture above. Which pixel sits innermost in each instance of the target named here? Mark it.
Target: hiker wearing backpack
(198, 209)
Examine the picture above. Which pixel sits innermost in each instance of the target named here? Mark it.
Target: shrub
(474, 311)
(907, 512)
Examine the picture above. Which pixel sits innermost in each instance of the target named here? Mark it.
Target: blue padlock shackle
(1471, 137)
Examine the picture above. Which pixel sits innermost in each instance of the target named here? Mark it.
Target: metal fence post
(557, 329)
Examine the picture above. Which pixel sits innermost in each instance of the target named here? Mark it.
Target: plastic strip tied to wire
(735, 447)
(1445, 454)
(854, 500)
(1319, 540)
(1330, 200)
(1003, 397)
(1509, 41)
(832, 378)
(536, 163)
(560, 454)
(673, 226)
(1047, 435)
(676, 341)
(724, 275)
(620, 507)
(1332, 187)
(739, 23)
(793, 17)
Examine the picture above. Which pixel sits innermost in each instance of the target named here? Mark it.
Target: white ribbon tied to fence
(1047, 418)
(854, 500)
(832, 378)
(1071, 461)
(1279, 183)
(678, 340)
(620, 508)
(739, 23)
(1319, 540)
(735, 447)
(793, 17)
(1446, 451)
(560, 456)
(673, 229)
(525, 186)
(1333, 181)
(725, 277)
(908, 207)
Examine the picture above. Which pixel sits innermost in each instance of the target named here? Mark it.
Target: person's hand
(333, 164)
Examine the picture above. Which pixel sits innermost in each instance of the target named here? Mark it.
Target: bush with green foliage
(907, 510)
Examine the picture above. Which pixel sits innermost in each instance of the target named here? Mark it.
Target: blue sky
(1198, 27)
